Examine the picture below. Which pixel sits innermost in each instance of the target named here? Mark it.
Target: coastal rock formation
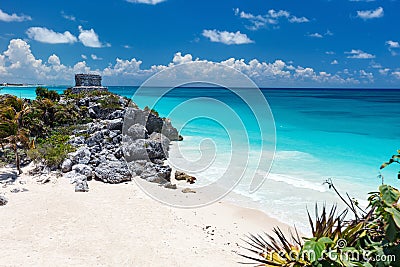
(115, 146)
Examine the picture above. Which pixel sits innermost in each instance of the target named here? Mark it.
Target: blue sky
(277, 43)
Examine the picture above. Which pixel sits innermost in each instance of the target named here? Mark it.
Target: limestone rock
(3, 200)
(181, 176)
(188, 190)
(81, 184)
(66, 166)
(169, 185)
(113, 172)
(115, 124)
(144, 149)
(81, 156)
(83, 169)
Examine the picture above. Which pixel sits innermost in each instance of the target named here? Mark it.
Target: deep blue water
(321, 133)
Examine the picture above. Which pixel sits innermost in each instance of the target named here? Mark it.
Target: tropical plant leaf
(395, 215)
(389, 194)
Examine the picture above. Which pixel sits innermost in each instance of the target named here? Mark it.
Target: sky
(286, 43)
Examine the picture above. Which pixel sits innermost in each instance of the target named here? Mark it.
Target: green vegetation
(44, 124)
(42, 93)
(51, 151)
(12, 129)
(110, 102)
(371, 238)
(69, 95)
(152, 111)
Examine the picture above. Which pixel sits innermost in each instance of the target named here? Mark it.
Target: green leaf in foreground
(389, 194)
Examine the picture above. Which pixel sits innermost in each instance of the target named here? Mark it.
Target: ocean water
(320, 133)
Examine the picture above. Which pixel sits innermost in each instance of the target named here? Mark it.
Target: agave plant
(372, 234)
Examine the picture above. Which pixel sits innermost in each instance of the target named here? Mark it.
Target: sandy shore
(116, 225)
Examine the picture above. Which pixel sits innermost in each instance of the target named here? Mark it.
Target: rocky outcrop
(152, 123)
(112, 172)
(181, 176)
(122, 144)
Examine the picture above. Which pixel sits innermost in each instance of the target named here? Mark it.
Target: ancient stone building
(87, 82)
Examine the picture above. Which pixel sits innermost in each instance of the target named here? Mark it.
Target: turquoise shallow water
(321, 133)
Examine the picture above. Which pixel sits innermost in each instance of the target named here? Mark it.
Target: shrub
(110, 102)
(51, 151)
(42, 93)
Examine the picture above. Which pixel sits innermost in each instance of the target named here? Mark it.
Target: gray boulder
(77, 140)
(83, 170)
(115, 124)
(116, 115)
(160, 138)
(95, 138)
(81, 184)
(137, 131)
(66, 166)
(154, 123)
(81, 156)
(151, 172)
(112, 172)
(144, 149)
(3, 200)
(170, 131)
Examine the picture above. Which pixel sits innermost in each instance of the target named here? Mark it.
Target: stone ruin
(87, 82)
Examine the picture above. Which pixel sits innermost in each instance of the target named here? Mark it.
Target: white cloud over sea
(18, 64)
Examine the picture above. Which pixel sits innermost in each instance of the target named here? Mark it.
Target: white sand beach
(117, 225)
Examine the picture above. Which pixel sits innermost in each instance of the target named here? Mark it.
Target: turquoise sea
(320, 133)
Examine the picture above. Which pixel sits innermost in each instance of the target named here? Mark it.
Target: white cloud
(83, 56)
(330, 53)
(295, 19)
(45, 35)
(68, 17)
(148, 2)
(359, 54)
(393, 44)
(127, 47)
(18, 64)
(371, 14)
(384, 71)
(228, 38)
(90, 38)
(272, 17)
(334, 62)
(94, 57)
(366, 75)
(179, 59)
(396, 74)
(315, 35)
(13, 17)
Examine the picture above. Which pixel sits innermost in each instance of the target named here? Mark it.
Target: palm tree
(12, 112)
